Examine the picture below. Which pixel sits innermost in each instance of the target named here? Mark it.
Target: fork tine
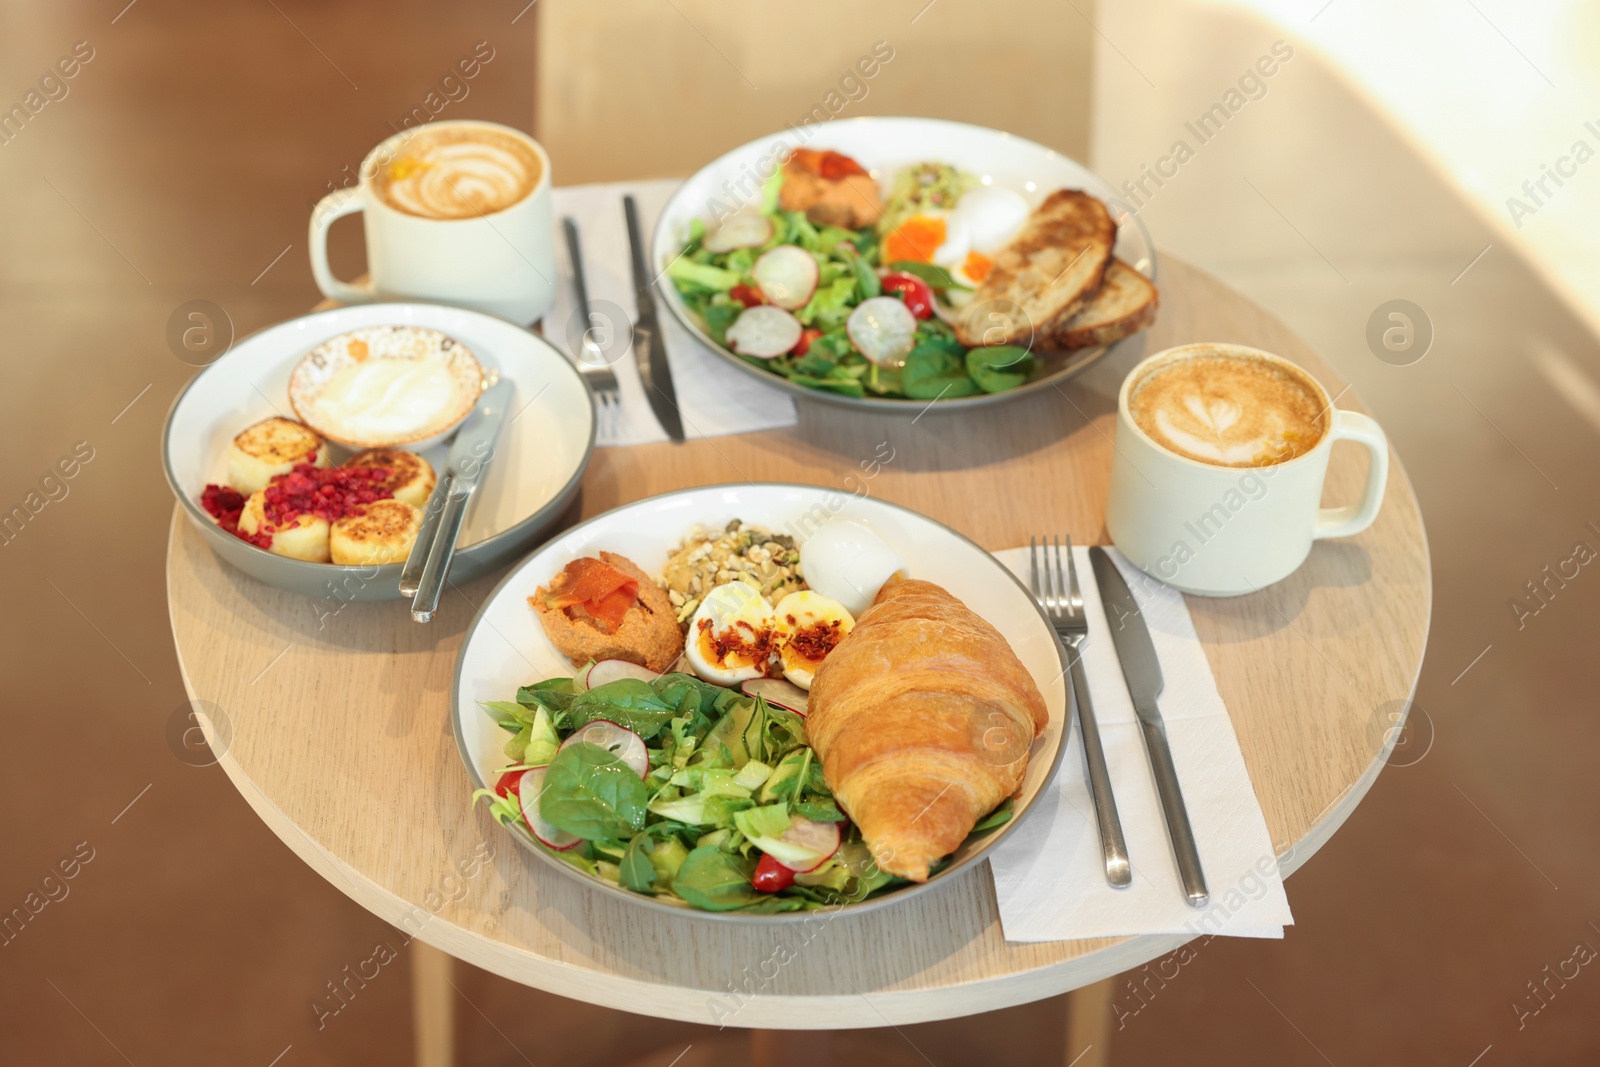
(1075, 595)
(1033, 572)
(1058, 580)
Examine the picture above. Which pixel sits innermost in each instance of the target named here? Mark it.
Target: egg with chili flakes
(730, 635)
(807, 626)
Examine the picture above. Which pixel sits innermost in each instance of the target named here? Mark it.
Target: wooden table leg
(788, 1048)
(1089, 1025)
(432, 1006)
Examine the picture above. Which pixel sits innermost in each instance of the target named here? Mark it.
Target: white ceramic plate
(884, 146)
(507, 647)
(543, 449)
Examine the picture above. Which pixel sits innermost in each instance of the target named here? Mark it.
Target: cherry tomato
(911, 289)
(771, 875)
(509, 784)
(807, 335)
(748, 295)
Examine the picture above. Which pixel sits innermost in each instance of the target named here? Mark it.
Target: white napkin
(713, 398)
(1049, 874)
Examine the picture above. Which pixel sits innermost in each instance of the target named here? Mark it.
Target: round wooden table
(336, 729)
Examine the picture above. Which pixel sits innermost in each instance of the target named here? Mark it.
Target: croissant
(923, 717)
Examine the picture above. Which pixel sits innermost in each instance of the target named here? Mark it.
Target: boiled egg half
(848, 563)
(991, 217)
(730, 635)
(806, 627)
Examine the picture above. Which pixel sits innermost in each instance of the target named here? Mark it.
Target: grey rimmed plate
(543, 450)
(506, 646)
(884, 146)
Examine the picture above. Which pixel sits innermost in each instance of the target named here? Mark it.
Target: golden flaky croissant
(923, 717)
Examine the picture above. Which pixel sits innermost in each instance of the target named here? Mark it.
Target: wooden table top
(341, 738)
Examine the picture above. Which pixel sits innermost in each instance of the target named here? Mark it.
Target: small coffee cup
(455, 212)
(1216, 479)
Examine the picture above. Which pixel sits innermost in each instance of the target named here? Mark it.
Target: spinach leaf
(995, 819)
(718, 318)
(589, 792)
(936, 277)
(628, 702)
(1000, 368)
(934, 370)
(712, 879)
(636, 871)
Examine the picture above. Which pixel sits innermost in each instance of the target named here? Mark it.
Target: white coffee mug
(502, 262)
(1227, 531)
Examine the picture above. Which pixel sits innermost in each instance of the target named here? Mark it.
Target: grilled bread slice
(411, 477)
(305, 538)
(1050, 270)
(272, 447)
(1125, 304)
(383, 533)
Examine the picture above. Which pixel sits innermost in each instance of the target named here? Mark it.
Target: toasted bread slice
(1049, 271)
(383, 533)
(272, 447)
(1125, 304)
(411, 477)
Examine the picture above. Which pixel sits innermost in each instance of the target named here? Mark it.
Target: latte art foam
(458, 174)
(1230, 410)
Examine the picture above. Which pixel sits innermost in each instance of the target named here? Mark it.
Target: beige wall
(647, 88)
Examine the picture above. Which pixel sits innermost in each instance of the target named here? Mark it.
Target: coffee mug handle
(1353, 518)
(336, 205)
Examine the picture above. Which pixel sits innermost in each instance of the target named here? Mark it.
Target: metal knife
(1142, 672)
(649, 347)
(470, 456)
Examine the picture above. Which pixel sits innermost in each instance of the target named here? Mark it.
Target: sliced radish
(613, 670)
(882, 329)
(528, 792)
(819, 838)
(741, 231)
(778, 691)
(763, 332)
(618, 740)
(787, 276)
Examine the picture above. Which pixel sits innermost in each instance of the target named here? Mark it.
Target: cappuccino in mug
(1216, 477)
(1230, 409)
(456, 212)
(457, 172)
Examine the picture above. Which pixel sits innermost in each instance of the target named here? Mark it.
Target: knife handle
(1177, 816)
(443, 550)
(411, 573)
(1118, 873)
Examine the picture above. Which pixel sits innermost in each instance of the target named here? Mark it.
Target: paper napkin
(1049, 873)
(713, 397)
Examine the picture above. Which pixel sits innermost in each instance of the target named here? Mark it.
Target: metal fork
(590, 358)
(1056, 588)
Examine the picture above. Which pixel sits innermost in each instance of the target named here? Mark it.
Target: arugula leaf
(831, 385)
(716, 881)
(1000, 368)
(867, 280)
(589, 792)
(821, 810)
(636, 871)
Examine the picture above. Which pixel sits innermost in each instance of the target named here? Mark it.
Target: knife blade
(470, 456)
(649, 347)
(1142, 672)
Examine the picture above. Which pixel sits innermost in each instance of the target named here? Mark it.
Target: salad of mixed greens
(818, 305)
(681, 790)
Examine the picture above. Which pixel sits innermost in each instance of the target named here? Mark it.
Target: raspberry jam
(328, 493)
